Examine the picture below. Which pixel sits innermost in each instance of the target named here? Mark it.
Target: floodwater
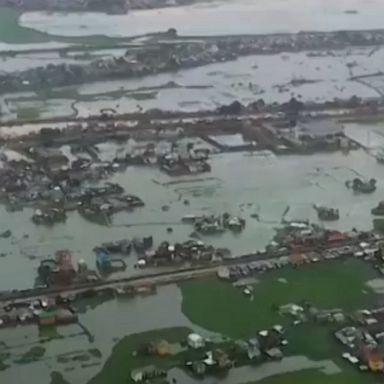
(240, 183)
(246, 79)
(218, 18)
(107, 322)
(23, 62)
(249, 374)
(20, 47)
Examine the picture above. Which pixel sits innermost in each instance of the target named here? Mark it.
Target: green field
(119, 365)
(220, 307)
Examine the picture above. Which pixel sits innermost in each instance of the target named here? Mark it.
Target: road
(161, 278)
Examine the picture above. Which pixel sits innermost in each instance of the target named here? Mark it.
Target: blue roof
(103, 256)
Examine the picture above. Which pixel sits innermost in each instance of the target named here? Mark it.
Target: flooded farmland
(260, 319)
(218, 18)
(274, 78)
(229, 188)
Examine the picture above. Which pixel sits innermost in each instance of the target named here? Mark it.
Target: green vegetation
(95, 353)
(34, 354)
(123, 360)
(220, 307)
(49, 333)
(57, 378)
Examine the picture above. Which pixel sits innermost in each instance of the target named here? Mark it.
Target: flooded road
(219, 18)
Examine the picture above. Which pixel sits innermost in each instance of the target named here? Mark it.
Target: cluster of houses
(362, 334)
(206, 357)
(43, 312)
(192, 251)
(364, 341)
(214, 224)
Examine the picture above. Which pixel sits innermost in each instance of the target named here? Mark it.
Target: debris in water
(6, 234)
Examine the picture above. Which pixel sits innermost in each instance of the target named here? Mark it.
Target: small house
(274, 353)
(195, 341)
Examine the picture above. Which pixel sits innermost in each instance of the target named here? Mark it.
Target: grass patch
(32, 355)
(49, 332)
(220, 307)
(57, 378)
(122, 361)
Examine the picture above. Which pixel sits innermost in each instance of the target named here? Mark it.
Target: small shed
(195, 340)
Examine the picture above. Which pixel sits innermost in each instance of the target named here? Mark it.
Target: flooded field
(241, 184)
(308, 76)
(106, 323)
(218, 18)
(22, 62)
(98, 349)
(85, 352)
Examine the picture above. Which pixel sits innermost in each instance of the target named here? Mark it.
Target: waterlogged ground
(100, 349)
(306, 75)
(239, 183)
(218, 18)
(71, 351)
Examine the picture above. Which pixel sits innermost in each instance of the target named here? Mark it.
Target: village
(186, 198)
(176, 54)
(52, 176)
(358, 332)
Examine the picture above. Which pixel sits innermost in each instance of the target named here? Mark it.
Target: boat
(379, 209)
(327, 214)
(380, 157)
(361, 186)
(123, 247)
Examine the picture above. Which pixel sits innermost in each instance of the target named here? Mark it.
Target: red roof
(337, 236)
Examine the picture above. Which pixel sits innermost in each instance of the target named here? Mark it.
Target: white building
(195, 341)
